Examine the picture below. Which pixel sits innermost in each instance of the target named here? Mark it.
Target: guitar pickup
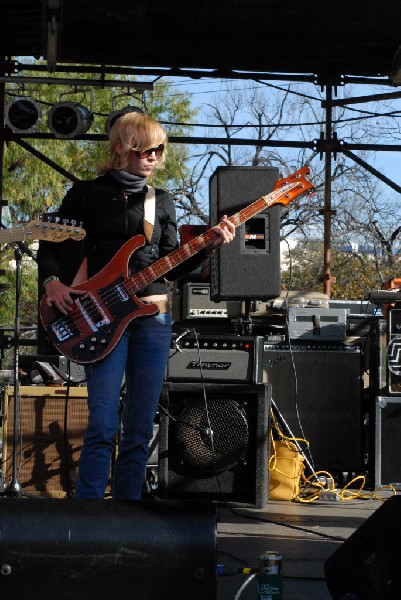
(92, 311)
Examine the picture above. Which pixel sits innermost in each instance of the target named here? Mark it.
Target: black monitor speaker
(213, 442)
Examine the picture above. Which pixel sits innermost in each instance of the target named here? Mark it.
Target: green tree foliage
(355, 273)
(28, 294)
(32, 187)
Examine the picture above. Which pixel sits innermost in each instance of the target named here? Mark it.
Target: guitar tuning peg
(65, 221)
(73, 222)
(57, 219)
(81, 224)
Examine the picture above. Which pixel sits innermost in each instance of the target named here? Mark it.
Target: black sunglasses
(146, 153)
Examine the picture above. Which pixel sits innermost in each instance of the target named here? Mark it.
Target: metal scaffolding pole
(327, 212)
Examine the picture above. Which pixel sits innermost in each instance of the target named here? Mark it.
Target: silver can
(271, 562)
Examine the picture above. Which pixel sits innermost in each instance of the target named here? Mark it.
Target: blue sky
(204, 90)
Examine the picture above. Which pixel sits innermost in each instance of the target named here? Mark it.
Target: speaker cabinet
(99, 550)
(214, 442)
(249, 267)
(51, 428)
(387, 441)
(367, 564)
(393, 352)
(318, 392)
(386, 355)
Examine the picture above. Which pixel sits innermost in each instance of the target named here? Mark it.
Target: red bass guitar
(99, 317)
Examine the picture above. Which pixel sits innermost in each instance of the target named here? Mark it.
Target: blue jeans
(141, 354)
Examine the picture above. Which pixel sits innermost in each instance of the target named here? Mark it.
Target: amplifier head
(228, 358)
(196, 302)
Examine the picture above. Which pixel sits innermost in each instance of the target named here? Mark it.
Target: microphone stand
(14, 487)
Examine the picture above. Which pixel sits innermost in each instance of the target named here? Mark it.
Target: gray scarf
(131, 183)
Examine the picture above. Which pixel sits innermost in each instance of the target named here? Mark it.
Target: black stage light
(116, 114)
(68, 120)
(23, 114)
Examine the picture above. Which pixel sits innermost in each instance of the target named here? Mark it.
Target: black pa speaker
(367, 564)
(213, 442)
(94, 549)
(249, 267)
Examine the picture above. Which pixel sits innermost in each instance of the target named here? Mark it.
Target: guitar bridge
(63, 329)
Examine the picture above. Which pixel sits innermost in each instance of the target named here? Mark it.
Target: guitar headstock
(288, 188)
(53, 231)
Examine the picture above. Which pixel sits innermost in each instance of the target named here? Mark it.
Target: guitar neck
(164, 265)
(15, 234)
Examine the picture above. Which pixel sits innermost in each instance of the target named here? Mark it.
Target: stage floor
(305, 534)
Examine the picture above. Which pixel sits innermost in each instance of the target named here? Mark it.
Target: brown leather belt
(163, 304)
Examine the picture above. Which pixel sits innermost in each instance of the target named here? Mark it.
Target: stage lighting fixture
(23, 114)
(68, 120)
(115, 114)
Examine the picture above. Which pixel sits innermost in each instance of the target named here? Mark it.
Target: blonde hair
(133, 131)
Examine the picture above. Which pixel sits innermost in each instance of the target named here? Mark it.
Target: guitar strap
(149, 211)
(148, 223)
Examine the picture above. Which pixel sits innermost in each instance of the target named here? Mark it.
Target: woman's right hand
(61, 296)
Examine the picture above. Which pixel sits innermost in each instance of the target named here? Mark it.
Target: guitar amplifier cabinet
(47, 451)
(318, 391)
(392, 352)
(214, 443)
(224, 358)
(387, 450)
(196, 303)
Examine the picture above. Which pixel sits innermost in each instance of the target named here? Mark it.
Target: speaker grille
(48, 453)
(213, 437)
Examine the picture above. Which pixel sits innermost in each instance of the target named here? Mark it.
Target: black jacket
(111, 217)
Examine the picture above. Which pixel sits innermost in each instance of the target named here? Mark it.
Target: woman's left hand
(225, 232)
